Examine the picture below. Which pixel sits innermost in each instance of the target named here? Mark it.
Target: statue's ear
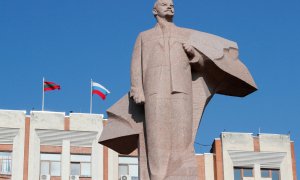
(154, 11)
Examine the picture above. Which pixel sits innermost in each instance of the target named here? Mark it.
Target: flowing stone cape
(223, 73)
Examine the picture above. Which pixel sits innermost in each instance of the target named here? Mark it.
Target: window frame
(243, 172)
(11, 163)
(270, 170)
(241, 169)
(50, 162)
(80, 165)
(127, 164)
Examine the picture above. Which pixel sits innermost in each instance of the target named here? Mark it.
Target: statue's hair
(155, 4)
(154, 7)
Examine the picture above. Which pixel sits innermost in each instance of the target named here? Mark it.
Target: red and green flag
(50, 86)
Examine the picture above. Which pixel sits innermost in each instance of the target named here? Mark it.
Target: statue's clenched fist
(138, 97)
(189, 50)
(193, 54)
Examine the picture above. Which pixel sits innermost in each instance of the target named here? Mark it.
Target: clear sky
(71, 41)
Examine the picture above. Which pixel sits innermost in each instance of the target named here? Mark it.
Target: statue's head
(164, 9)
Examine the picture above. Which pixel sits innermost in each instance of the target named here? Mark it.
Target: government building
(45, 145)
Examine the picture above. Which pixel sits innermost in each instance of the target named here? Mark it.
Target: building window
(123, 169)
(241, 172)
(5, 163)
(81, 165)
(270, 173)
(128, 166)
(50, 164)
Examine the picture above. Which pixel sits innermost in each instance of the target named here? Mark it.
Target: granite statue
(174, 74)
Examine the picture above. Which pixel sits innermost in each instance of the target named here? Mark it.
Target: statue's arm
(136, 90)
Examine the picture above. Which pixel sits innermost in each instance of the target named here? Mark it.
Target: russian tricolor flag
(99, 90)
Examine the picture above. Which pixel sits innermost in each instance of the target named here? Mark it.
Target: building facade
(53, 146)
(243, 156)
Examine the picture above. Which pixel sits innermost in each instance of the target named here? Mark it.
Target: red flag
(50, 86)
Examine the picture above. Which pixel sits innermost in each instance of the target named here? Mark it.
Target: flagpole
(43, 100)
(91, 100)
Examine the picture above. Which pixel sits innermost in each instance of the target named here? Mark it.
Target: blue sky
(71, 41)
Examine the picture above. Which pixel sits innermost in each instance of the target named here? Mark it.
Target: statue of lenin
(174, 73)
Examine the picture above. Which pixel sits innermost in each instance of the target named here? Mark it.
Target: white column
(209, 167)
(97, 161)
(14, 122)
(113, 165)
(286, 171)
(18, 155)
(34, 155)
(257, 173)
(65, 160)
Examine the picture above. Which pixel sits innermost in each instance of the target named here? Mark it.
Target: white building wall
(113, 165)
(269, 143)
(209, 167)
(65, 160)
(275, 152)
(18, 156)
(15, 120)
(40, 120)
(279, 143)
(91, 122)
(257, 173)
(47, 120)
(97, 161)
(86, 122)
(234, 141)
(34, 156)
(56, 121)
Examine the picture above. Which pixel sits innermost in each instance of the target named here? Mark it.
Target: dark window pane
(237, 174)
(248, 173)
(275, 174)
(265, 173)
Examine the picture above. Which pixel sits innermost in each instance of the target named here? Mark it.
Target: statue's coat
(223, 73)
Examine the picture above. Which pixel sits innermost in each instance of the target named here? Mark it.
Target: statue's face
(164, 8)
